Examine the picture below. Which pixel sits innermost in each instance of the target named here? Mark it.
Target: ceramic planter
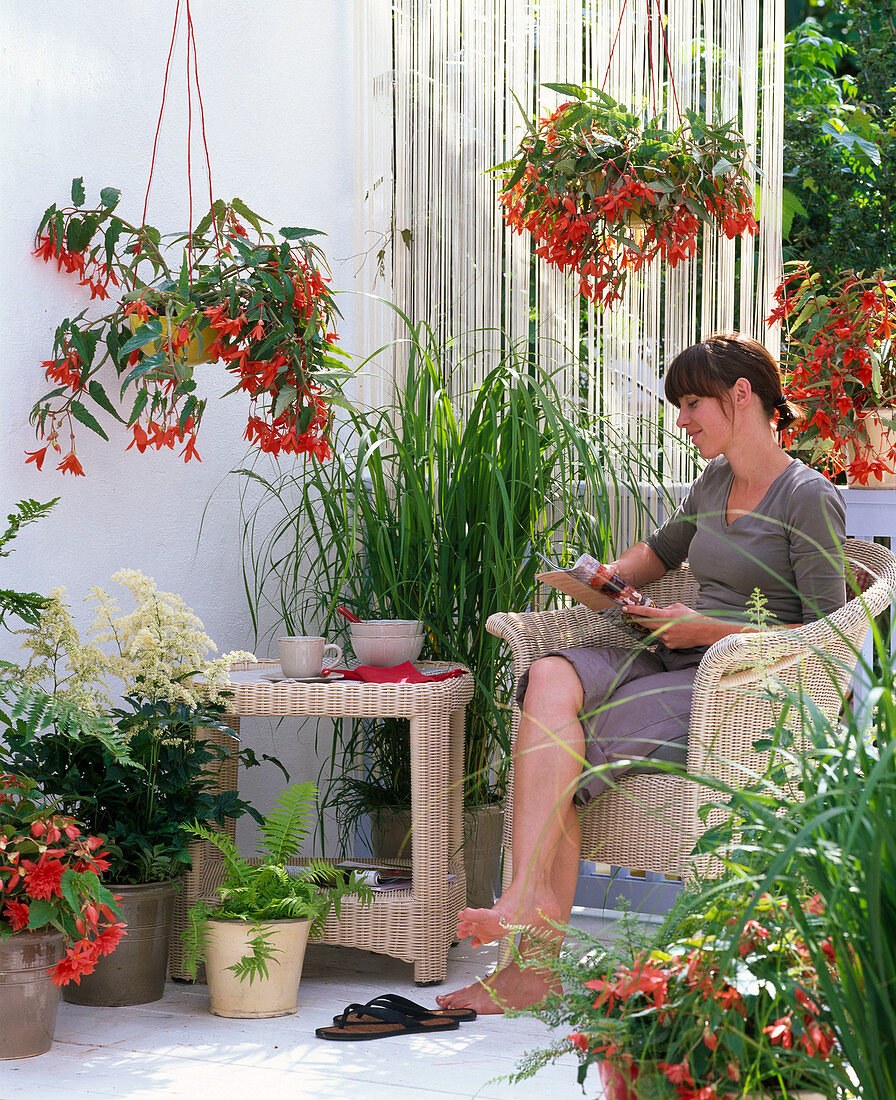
(135, 972)
(28, 998)
(227, 942)
(192, 352)
(483, 830)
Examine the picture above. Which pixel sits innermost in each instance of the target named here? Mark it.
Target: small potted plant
(604, 190)
(840, 369)
(228, 291)
(723, 1002)
(56, 918)
(133, 773)
(258, 926)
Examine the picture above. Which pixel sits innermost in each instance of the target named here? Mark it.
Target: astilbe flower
(157, 650)
(161, 645)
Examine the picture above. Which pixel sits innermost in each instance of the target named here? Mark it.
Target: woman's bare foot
(538, 911)
(512, 987)
(483, 925)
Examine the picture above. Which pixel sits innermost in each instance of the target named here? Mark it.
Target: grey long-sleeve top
(789, 547)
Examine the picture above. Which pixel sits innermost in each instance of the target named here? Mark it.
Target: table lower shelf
(406, 924)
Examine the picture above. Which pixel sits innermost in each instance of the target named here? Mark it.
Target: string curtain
(436, 109)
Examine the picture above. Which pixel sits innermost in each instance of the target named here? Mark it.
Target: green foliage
(265, 890)
(434, 508)
(258, 304)
(696, 1001)
(26, 605)
(840, 139)
(135, 777)
(837, 839)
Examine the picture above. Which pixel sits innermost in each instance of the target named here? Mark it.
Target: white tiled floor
(176, 1048)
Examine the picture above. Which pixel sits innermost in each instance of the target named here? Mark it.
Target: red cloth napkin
(397, 674)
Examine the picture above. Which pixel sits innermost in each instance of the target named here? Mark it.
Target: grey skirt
(636, 708)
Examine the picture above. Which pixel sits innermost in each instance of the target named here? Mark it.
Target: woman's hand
(679, 627)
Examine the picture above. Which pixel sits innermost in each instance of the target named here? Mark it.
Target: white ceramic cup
(303, 656)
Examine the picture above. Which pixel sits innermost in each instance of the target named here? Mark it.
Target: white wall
(82, 82)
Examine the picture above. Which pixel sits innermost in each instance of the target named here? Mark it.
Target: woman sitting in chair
(754, 519)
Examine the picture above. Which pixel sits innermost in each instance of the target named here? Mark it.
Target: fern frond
(255, 964)
(35, 710)
(288, 822)
(27, 511)
(26, 605)
(237, 873)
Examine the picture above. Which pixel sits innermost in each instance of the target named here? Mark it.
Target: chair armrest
(740, 686)
(531, 634)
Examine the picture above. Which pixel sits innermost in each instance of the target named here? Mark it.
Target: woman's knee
(556, 679)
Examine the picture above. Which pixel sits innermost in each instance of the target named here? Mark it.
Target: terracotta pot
(28, 998)
(622, 1085)
(227, 941)
(881, 439)
(135, 972)
(483, 828)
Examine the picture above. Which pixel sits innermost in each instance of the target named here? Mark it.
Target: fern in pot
(253, 935)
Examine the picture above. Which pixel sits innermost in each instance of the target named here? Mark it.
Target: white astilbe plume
(160, 648)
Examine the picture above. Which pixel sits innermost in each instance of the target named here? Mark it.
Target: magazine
(382, 878)
(595, 585)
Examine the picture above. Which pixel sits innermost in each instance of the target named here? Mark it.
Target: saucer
(279, 678)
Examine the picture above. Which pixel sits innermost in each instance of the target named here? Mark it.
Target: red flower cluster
(840, 368)
(288, 415)
(49, 878)
(620, 207)
(262, 307)
(91, 271)
(685, 1004)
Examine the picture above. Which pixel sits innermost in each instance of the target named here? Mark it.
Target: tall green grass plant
(836, 840)
(436, 508)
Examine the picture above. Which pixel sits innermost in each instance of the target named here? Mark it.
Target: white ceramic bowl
(386, 652)
(385, 628)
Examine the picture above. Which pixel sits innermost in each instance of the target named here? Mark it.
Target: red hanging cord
(161, 112)
(192, 78)
(189, 155)
(668, 61)
(208, 163)
(603, 83)
(659, 11)
(649, 5)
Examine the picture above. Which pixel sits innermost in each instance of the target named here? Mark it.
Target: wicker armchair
(649, 821)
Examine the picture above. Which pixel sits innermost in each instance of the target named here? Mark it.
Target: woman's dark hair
(710, 369)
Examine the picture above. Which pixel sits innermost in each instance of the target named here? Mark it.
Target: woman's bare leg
(548, 758)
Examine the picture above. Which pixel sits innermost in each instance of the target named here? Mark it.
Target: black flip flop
(412, 1009)
(379, 1022)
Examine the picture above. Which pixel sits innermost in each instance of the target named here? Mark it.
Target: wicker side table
(416, 925)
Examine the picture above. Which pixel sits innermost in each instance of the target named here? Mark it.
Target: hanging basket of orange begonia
(604, 191)
(839, 363)
(238, 296)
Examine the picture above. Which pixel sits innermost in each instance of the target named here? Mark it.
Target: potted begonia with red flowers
(227, 292)
(840, 369)
(56, 917)
(721, 1002)
(604, 190)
